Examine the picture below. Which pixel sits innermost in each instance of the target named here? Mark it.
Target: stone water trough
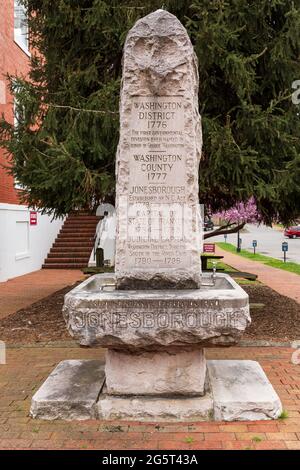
(97, 314)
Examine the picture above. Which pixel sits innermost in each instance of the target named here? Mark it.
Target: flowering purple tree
(235, 218)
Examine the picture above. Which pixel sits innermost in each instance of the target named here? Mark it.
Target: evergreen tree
(63, 148)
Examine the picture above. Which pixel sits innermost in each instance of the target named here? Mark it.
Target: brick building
(23, 244)
(14, 59)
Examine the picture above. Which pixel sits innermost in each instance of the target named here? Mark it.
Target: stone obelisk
(158, 228)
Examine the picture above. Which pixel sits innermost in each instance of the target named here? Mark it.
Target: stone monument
(158, 156)
(156, 314)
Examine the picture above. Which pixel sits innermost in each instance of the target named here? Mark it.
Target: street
(269, 242)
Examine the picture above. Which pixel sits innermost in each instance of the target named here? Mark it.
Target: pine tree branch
(256, 56)
(96, 111)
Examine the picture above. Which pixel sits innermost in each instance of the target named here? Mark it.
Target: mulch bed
(277, 320)
(40, 322)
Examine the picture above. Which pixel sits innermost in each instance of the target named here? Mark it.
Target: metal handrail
(96, 243)
(97, 238)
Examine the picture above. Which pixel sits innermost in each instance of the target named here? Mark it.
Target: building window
(21, 26)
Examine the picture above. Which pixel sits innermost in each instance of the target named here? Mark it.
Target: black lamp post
(238, 248)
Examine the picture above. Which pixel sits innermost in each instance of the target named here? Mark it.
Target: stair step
(77, 243)
(63, 260)
(85, 244)
(82, 212)
(69, 254)
(82, 222)
(90, 227)
(73, 238)
(82, 219)
(64, 266)
(76, 240)
(74, 243)
(76, 234)
(78, 231)
(92, 218)
(88, 223)
(73, 249)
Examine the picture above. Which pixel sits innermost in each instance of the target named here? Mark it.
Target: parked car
(208, 224)
(292, 232)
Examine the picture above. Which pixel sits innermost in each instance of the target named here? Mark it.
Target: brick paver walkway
(27, 368)
(22, 291)
(284, 282)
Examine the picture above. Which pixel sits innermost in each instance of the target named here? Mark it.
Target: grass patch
(189, 440)
(283, 415)
(220, 265)
(95, 270)
(267, 260)
(246, 282)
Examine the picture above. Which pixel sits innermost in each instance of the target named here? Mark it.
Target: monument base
(150, 408)
(236, 390)
(173, 371)
(70, 392)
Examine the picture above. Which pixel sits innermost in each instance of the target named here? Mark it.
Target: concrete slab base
(150, 408)
(242, 391)
(236, 390)
(70, 392)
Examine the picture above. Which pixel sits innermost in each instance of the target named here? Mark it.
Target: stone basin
(97, 314)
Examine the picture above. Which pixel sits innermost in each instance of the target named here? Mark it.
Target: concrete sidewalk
(22, 291)
(284, 282)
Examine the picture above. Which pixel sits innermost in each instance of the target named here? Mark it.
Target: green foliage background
(249, 55)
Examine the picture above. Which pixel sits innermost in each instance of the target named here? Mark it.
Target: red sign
(33, 218)
(209, 247)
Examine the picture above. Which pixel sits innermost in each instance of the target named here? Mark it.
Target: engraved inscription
(157, 159)
(157, 183)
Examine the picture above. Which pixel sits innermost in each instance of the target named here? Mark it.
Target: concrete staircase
(74, 243)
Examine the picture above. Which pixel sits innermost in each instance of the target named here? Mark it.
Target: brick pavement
(22, 291)
(28, 367)
(284, 282)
